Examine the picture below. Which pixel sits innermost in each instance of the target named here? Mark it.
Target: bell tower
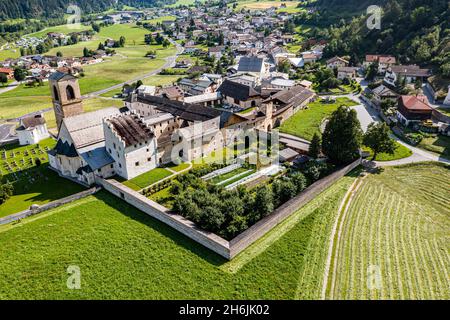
(66, 96)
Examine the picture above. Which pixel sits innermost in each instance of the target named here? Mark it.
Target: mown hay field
(395, 237)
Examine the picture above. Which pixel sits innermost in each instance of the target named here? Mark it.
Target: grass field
(124, 254)
(262, 5)
(307, 122)
(400, 153)
(148, 178)
(438, 144)
(396, 229)
(129, 63)
(37, 186)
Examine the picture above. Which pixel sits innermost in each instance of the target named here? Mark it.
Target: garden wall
(186, 227)
(210, 240)
(266, 224)
(48, 206)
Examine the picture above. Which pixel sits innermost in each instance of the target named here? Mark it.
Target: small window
(111, 166)
(109, 150)
(149, 159)
(114, 145)
(120, 165)
(148, 150)
(137, 164)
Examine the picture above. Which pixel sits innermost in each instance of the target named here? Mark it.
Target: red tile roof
(414, 103)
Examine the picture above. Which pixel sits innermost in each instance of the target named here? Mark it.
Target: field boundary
(48, 206)
(335, 236)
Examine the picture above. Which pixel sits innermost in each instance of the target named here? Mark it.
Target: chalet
(310, 57)
(412, 109)
(336, 62)
(410, 73)
(384, 62)
(254, 66)
(346, 72)
(383, 93)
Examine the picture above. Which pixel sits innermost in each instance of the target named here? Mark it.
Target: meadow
(129, 63)
(396, 229)
(306, 122)
(124, 254)
(263, 5)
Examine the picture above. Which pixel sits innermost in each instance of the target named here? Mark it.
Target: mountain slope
(416, 31)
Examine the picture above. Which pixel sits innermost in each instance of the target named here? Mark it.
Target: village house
(384, 62)
(381, 93)
(336, 62)
(346, 72)
(8, 72)
(409, 74)
(412, 109)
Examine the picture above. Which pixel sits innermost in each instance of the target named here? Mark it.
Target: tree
(20, 74)
(372, 71)
(315, 146)
(263, 204)
(122, 41)
(377, 138)
(6, 190)
(96, 27)
(59, 54)
(341, 139)
(165, 43)
(3, 79)
(85, 52)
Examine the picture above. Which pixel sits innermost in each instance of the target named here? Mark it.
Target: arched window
(55, 93)
(253, 103)
(70, 93)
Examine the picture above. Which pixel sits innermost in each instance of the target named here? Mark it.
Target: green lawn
(228, 175)
(178, 168)
(445, 111)
(124, 254)
(148, 178)
(438, 144)
(397, 223)
(306, 122)
(400, 153)
(38, 186)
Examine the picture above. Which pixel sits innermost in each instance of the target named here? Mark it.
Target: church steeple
(66, 96)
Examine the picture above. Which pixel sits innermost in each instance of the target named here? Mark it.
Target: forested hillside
(13, 9)
(416, 31)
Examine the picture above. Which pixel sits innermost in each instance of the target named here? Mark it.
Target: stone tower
(66, 96)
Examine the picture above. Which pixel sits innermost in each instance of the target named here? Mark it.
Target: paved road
(9, 87)
(170, 62)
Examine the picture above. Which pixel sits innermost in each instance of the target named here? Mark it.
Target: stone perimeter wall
(259, 229)
(226, 249)
(48, 206)
(155, 210)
